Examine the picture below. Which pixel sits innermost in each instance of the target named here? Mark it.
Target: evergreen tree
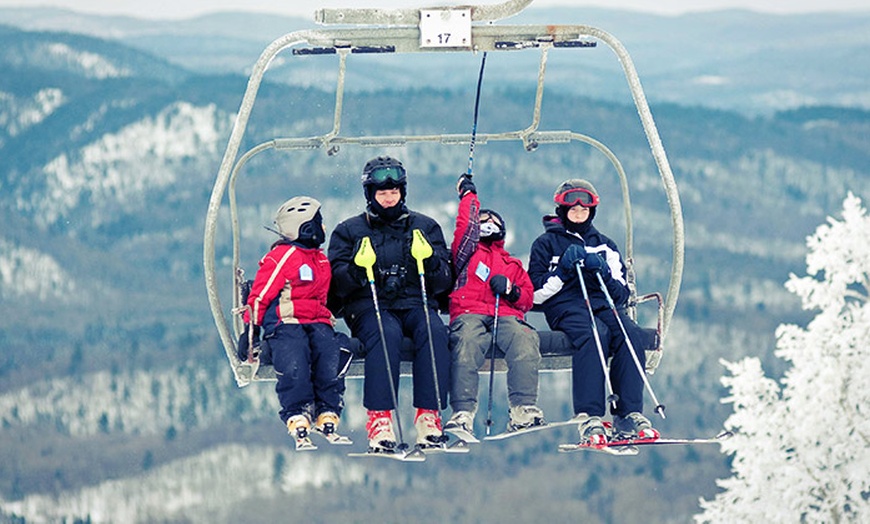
(802, 444)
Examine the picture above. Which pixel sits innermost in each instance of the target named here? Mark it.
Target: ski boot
(380, 432)
(634, 426)
(299, 427)
(523, 417)
(327, 423)
(428, 426)
(592, 430)
(327, 427)
(461, 425)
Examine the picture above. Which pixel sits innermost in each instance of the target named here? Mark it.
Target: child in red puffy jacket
(487, 275)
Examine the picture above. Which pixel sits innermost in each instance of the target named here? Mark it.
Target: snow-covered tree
(801, 449)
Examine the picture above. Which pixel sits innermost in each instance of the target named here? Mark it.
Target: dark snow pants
(589, 391)
(306, 360)
(399, 323)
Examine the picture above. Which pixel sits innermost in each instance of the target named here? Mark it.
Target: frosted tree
(801, 450)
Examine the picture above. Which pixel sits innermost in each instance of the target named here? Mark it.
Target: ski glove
(573, 255)
(499, 285)
(242, 352)
(465, 185)
(595, 263)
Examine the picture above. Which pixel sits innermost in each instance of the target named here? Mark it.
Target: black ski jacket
(397, 279)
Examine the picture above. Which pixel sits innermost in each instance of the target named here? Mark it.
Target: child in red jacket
(486, 273)
(288, 305)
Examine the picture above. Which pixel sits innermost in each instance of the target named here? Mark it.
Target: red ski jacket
(476, 263)
(291, 287)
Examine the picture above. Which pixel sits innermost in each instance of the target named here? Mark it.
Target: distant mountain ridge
(736, 59)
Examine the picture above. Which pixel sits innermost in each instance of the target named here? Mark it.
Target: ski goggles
(577, 196)
(490, 218)
(384, 174)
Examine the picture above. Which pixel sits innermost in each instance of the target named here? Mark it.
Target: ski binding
(457, 446)
(413, 455)
(332, 437)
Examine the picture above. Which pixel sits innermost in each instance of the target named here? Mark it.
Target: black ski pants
(399, 323)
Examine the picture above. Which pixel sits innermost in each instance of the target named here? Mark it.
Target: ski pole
(492, 364)
(421, 250)
(660, 408)
(611, 396)
(365, 257)
(476, 107)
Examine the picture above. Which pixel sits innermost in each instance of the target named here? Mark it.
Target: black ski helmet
(491, 217)
(383, 172)
(299, 219)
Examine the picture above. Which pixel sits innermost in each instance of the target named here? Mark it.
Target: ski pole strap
(365, 257)
(420, 249)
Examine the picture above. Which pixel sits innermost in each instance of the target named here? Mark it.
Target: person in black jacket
(570, 241)
(389, 225)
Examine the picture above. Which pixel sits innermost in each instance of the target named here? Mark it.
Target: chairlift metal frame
(468, 29)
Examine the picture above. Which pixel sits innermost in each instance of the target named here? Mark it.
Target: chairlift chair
(464, 29)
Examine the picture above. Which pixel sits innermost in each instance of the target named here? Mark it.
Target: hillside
(110, 152)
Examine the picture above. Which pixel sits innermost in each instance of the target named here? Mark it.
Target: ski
(414, 455)
(458, 446)
(631, 446)
(599, 448)
(531, 429)
(333, 438)
(460, 433)
(670, 441)
(305, 444)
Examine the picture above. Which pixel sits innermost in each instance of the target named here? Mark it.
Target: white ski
(414, 455)
(461, 434)
(531, 429)
(333, 438)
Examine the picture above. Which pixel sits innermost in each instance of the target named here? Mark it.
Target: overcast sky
(190, 8)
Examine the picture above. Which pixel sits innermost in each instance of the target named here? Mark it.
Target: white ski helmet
(293, 214)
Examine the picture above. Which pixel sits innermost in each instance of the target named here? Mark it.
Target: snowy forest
(802, 443)
(117, 403)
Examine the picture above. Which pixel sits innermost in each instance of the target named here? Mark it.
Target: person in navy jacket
(287, 304)
(571, 240)
(485, 270)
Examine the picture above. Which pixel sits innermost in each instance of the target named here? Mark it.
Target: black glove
(431, 265)
(465, 185)
(242, 351)
(499, 285)
(574, 254)
(595, 262)
(358, 274)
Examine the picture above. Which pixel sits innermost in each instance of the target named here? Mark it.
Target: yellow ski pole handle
(420, 249)
(365, 257)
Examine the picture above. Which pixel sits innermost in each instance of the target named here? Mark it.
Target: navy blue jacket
(556, 296)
